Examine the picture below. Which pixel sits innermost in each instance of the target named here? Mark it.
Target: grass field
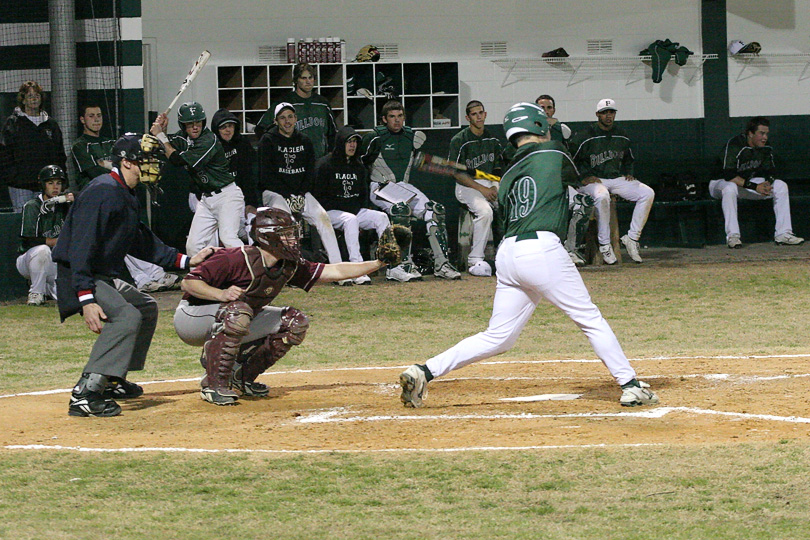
(667, 491)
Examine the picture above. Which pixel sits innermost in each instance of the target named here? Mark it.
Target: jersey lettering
(607, 155)
(522, 198)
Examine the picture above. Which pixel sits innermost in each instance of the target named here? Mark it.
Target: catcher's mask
(142, 150)
(277, 232)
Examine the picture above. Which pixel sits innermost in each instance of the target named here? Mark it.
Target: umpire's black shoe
(119, 388)
(92, 404)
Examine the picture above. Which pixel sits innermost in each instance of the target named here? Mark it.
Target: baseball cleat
(250, 389)
(607, 254)
(412, 270)
(480, 269)
(36, 299)
(734, 242)
(119, 388)
(632, 248)
(637, 395)
(92, 404)
(414, 386)
(219, 396)
(344, 282)
(362, 280)
(398, 273)
(446, 271)
(788, 239)
(576, 258)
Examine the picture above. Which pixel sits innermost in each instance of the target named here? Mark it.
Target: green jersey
(204, 159)
(88, 153)
(315, 119)
(533, 195)
(388, 154)
(483, 152)
(745, 161)
(603, 154)
(39, 223)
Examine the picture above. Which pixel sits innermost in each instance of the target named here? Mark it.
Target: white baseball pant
(527, 271)
(314, 214)
(483, 213)
(36, 265)
(221, 213)
(143, 272)
(631, 190)
(352, 224)
(729, 192)
(193, 323)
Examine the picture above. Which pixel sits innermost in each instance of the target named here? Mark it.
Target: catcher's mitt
(392, 240)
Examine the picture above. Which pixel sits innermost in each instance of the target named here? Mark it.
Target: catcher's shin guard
(436, 232)
(581, 213)
(232, 323)
(402, 214)
(257, 356)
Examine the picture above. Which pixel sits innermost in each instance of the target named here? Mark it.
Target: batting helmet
(525, 118)
(369, 53)
(49, 172)
(191, 111)
(276, 231)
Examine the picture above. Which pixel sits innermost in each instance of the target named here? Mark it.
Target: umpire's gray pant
(127, 334)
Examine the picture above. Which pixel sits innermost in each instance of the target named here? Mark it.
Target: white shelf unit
(528, 68)
(765, 60)
(429, 91)
(248, 90)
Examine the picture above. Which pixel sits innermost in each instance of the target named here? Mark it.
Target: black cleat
(119, 388)
(93, 404)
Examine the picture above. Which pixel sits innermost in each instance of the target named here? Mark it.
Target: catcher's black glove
(389, 247)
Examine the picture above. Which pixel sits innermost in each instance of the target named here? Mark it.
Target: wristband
(748, 184)
(162, 138)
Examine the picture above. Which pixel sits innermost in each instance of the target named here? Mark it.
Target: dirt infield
(573, 403)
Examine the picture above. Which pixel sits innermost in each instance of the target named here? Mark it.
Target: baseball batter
(475, 147)
(226, 307)
(532, 264)
(604, 157)
(195, 147)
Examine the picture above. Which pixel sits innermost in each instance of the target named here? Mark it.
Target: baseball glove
(389, 247)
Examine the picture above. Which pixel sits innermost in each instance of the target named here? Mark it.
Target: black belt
(209, 193)
(526, 236)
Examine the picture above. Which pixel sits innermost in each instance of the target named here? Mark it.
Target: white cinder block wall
(773, 85)
(453, 30)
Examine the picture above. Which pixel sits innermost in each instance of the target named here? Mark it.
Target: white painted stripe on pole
(131, 29)
(131, 77)
(324, 450)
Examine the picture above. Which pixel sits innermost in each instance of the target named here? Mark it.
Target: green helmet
(191, 111)
(525, 118)
(49, 172)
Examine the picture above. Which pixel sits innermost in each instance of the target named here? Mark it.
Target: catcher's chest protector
(266, 283)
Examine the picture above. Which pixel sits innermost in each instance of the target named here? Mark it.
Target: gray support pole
(62, 20)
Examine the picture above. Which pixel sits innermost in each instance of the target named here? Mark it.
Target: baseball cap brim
(281, 107)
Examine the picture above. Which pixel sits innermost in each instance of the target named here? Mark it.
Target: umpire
(101, 228)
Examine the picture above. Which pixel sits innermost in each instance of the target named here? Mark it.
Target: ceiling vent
(600, 47)
(493, 48)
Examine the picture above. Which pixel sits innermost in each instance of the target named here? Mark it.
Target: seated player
(341, 186)
(42, 219)
(226, 306)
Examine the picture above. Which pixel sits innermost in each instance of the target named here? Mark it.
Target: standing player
(226, 308)
(604, 157)
(101, 228)
(341, 185)
(195, 147)
(748, 169)
(388, 152)
(42, 219)
(475, 147)
(314, 115)
(92, 155)
(532, 264)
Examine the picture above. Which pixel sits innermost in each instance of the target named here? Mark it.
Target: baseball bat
(195, 70)
(440, 165)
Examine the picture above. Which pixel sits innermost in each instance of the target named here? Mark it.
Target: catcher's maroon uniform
(247, 332)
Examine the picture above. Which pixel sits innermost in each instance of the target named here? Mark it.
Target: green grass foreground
(713, 492)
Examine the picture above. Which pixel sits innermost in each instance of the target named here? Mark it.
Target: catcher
(226, 306)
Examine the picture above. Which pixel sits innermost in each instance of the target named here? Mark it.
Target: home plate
(545, 397)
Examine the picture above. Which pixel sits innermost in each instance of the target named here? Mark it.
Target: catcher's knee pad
(434, 211)
(401, 214)
(232, 323)
(259, 355)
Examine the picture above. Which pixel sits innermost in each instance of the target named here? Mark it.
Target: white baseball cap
(606, 104)
(736, 46)
(283, 105)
